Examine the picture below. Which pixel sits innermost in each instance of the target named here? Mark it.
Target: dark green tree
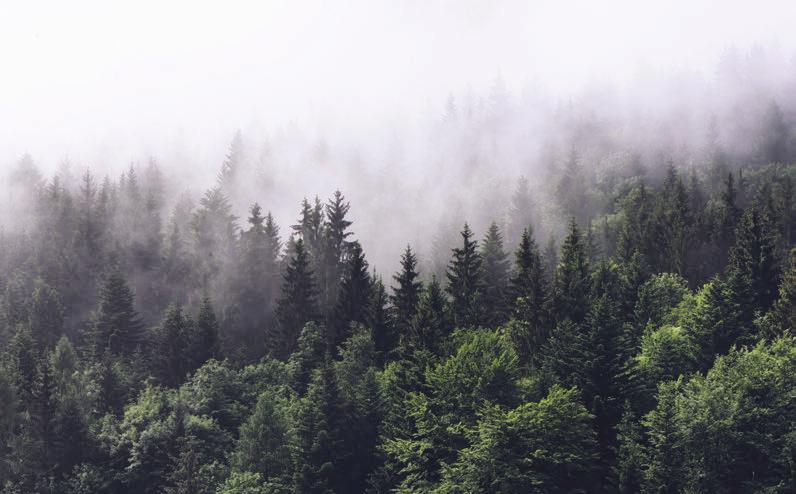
(406, 295)
(298, 303)
(354, 296)
(571, 286)
(465, 283)
(496, 277)
(116, 326)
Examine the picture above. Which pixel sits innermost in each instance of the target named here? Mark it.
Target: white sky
(80, 77)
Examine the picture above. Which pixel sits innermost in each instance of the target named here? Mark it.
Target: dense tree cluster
(653, 351)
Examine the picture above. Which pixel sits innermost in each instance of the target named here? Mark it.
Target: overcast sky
(79, 78)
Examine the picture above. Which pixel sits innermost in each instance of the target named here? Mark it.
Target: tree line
(648, 349)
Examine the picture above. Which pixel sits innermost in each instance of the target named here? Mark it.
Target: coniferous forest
(649, 350)
(612, 313)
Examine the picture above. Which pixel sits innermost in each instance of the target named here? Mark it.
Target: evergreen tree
(496, 276)
(335, 249)
(571, 287)
(46, 315)
(406, 295)
(298, 303)
(465, 282)
(385, 336)
(172, 340)
(320, 452)
(430, 324)
(256, 285)
(753, 260)
(354, 296)
(204, 342)
(265, 439)
(528, 297)
(116, 326)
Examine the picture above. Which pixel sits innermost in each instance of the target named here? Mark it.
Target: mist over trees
(586, 296)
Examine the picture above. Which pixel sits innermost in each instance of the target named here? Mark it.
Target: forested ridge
(648, 348)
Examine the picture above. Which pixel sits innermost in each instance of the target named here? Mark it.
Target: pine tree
(783, 314)
(46, 315)
(310, 351)
(528, 297)
(310, 229)
(298, 303)
(354, 296)
(379, 321)
(335, 249)
(171, 339)
(430, 324)
(496, 276)
(663, 470)
(406, 294)
(265, 439)
(257, 268)
(320, 452)
(753, 259)
(465, 282)
(116, 326)
(571, 287)
(204, 341)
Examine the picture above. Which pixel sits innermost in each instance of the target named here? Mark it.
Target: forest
(624, 324)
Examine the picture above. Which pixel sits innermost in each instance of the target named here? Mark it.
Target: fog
(424, 113)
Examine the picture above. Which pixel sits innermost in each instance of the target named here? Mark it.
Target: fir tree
(204, 342)
(406, 294)
(298, 303)
(430, 324)
(753, 259)
(354, 297)
(528, 297)
(465, 282)
(496, 276)
(116, 326)
(571, 287)
(379, 321)
(46, 315)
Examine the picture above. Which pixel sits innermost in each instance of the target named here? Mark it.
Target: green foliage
(298, 304)
(406, 296)
(548, 446)
(116, 326)
(571, 287)
(496, 276)
(265, 439)
(465, 282)
(730, 429)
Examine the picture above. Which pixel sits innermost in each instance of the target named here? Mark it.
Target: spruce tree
(46, 315)
(255, 291)
(354, 296)
(465, 282)
(335, 248)
(496, 276)
(379, 321)
(204, 343)
(430, 324)
(298, 303)
(753, 259)
(320, 450)
(406, 294)
(528, 296)
(571, 287)
(171, 347)
(116, 326)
